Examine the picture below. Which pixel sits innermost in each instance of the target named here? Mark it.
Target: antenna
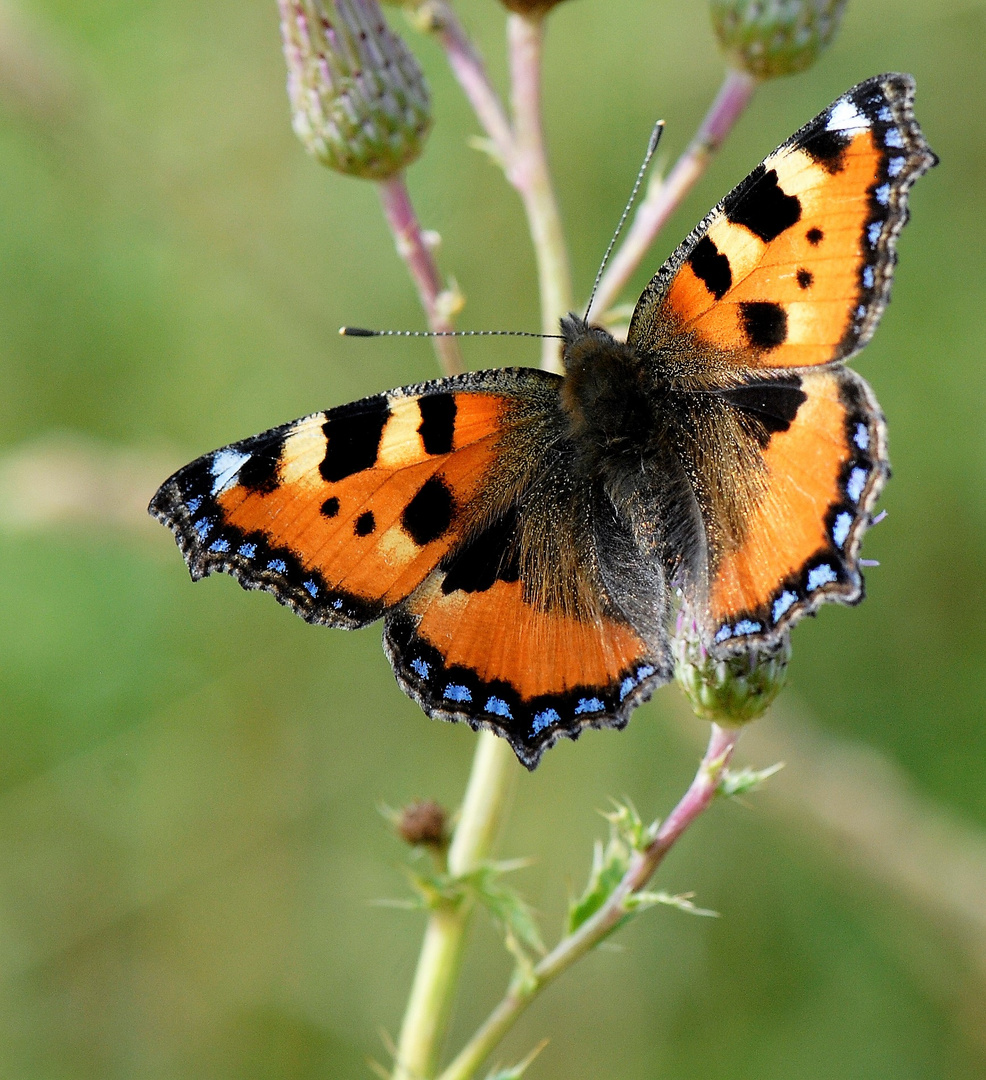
(359, 331)
(655, 138)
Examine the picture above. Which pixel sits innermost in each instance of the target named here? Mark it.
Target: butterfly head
(606, 391)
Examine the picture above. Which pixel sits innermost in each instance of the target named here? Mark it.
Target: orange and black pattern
(524, 535)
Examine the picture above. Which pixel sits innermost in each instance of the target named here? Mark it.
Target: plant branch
(525, 989)
(430, 1001)
(518, 147)
(664, 196)
(467, 66)
(439, 303)
(527, 170)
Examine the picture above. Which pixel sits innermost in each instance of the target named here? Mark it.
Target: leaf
(507, 907)
(682, 901)
(610, 862)
(743, 781)
(434, 889)
(518, 1070)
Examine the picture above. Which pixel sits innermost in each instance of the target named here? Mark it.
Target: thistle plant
(360, 105)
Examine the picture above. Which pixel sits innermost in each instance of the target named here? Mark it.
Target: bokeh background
(190, 777)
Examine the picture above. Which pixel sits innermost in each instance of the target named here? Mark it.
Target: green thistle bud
(769, 38)
(734, 689)
(359, 101)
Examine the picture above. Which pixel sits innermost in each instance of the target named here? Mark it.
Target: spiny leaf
(743, 781)
(506, 905)
(610, 862)
(518, 1070)
(682, 901)
(435, 889)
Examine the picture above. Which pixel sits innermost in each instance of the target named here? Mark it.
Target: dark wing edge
(558, 715)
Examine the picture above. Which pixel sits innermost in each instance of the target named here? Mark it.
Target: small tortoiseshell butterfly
(522, 534)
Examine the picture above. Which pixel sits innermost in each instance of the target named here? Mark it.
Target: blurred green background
(190, 776)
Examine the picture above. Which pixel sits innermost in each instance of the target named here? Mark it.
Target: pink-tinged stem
(411, 247)
(527, 169)
(722, 743)
(663, 199)
(468, 68)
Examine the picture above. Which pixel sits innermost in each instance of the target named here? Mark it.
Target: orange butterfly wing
(801, 533)
(753, 313)
(793, 267)
(449, 509)
(344, 513)
(525, 635)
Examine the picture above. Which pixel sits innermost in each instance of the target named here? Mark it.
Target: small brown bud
(530, 7)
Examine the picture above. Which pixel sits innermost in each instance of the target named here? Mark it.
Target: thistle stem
(426, 1017)
(417, 255)
(523, 154)
(527, 169)
(522, 992)
(664, 196)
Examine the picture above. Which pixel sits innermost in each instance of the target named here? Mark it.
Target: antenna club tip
(355, 331)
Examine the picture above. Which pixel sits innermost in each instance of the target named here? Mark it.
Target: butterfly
(526, 536)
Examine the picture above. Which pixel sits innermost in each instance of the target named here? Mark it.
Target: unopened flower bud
(423, 823)
(732, 689)
(359, 101)
(530, 7)
(768, 38)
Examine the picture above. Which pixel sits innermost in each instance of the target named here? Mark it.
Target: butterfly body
(524, 534)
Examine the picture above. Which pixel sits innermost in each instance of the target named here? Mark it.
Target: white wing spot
(840, 530)
(783, 603)
(856, 483)
(846, 117)
(823, 574)
(225, 467)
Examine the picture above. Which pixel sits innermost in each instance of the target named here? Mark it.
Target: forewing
(793, 268)
(342, 514)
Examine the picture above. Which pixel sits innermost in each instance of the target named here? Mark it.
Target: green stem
(522, 992)
(429, 1005)
(527, 170)
(430, 1001)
